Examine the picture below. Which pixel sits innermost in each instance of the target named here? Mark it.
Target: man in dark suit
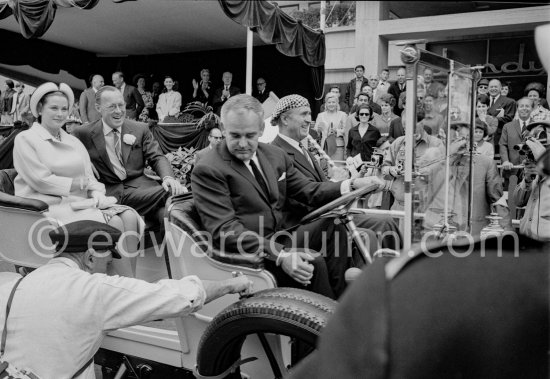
(88, 112)
(223, 93)
(241, 187)
(512, 134)
(118, 150)
(214, 137)
(354, 86)
(396, 88)
(291, 135)
(261, 93)
(132, 97)
(501, 107)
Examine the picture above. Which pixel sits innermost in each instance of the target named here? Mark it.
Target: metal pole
(322, 18)
(409, 56)
(448, 155)
(249, 40)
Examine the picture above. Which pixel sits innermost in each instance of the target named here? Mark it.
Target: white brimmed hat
(49, 87)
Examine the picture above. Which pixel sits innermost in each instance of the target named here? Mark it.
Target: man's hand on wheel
(369, 180)
(173, 186)
(218, 288)
(296, 264)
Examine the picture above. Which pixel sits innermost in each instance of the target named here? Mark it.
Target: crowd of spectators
(366, 119)
(375, 124)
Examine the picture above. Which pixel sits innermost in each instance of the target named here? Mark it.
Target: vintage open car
(262, 335)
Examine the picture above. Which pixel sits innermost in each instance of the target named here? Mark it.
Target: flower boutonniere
(129, 139)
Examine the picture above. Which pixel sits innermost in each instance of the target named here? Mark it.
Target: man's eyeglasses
(113, 107)
(364, 114)
(482, 86)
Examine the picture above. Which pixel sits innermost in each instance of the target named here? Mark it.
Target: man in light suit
(21, 110)
(241, 187)
(132, 97)
(223, 93)
(353, 88)
(290, 138)
(118, 150)
(88, 112)
(214, 137)
(487, 187)
(501, 107)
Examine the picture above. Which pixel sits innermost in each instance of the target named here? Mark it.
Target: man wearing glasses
(261, 92)
(214, 137)
(119, 148)
(483, 87)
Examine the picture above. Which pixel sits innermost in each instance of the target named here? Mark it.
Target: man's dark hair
(359, 66)
(483, 99)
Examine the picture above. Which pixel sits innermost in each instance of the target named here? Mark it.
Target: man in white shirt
(62, 311)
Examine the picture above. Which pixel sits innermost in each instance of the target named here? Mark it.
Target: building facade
(496, 35)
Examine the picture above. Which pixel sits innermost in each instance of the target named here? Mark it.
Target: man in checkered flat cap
(292, 133)
(241, 187)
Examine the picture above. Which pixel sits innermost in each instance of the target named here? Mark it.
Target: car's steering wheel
(344, 200)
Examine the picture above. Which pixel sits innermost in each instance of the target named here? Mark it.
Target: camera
(376, 159)
(525, 151)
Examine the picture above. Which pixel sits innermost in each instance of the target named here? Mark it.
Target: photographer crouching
(533, 192)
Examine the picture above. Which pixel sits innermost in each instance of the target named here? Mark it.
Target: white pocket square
(283, 177)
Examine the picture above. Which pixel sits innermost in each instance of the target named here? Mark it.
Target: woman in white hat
(55, 167)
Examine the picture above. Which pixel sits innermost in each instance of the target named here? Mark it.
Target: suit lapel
(269, 175)
(320, 174)
(298, 159)
(126, 149)
(99, 141)
(242, 170)
(517, 126)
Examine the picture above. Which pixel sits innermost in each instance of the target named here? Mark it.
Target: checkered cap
(287, 103)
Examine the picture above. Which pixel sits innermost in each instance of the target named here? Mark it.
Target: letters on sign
(513, 67)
